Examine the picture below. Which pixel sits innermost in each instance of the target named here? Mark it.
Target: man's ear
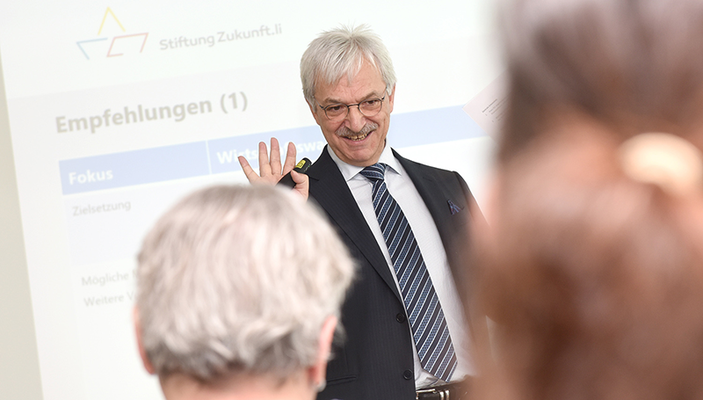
(318, 371)
(138, 333)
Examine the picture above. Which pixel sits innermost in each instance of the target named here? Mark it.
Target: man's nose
(356, 119)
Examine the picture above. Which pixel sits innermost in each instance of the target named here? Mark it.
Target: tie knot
(374, 172)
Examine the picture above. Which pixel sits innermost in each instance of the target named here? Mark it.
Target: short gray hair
(239, 279)
(340, 52)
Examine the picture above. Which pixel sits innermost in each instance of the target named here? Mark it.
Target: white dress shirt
(403, 191)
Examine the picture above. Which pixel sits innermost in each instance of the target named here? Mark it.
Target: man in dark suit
(405, 223)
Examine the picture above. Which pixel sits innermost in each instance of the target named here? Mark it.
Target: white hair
(239, 278)
(340, 52)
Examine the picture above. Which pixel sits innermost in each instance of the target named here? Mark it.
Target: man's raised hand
(270, 169)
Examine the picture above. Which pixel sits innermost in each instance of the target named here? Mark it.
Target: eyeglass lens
(368, 108)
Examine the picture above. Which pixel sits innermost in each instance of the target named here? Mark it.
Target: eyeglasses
(367, 108)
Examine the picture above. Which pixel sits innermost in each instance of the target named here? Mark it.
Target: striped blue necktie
(430, 331)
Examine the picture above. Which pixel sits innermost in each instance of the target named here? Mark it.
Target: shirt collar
(350, 171)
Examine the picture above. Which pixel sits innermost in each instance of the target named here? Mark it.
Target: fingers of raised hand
(275, 162)
(290, 158)
(248, 170)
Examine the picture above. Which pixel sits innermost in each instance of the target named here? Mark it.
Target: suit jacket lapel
(329, 189)
(452, 228)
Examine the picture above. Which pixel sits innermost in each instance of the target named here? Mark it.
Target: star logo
(115, 46)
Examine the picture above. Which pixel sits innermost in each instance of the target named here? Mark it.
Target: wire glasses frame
(367, 108)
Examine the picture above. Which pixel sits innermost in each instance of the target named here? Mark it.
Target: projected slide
(117, 110)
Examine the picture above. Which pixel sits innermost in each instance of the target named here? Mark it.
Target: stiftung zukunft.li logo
(220, 37)
(112, 46)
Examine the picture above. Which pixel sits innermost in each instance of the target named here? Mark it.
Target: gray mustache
(344, 131)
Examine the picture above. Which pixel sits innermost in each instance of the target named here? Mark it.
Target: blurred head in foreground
(592, 268)
(593, 275)
(636, 66)
(239, 290)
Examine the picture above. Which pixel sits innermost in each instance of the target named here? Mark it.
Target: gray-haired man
(233, 302)
(406, 333)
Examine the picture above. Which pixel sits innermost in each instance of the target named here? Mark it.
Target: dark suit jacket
(375, 361)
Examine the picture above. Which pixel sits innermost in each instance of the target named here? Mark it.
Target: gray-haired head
(636, 65)
(342, 51)
(239, 279)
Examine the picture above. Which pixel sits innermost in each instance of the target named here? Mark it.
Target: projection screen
(112, 111)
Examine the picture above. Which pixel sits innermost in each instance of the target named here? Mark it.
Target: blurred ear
(138, 333)
(318, 371)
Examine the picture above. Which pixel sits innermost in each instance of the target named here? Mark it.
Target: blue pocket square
(453, 208)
